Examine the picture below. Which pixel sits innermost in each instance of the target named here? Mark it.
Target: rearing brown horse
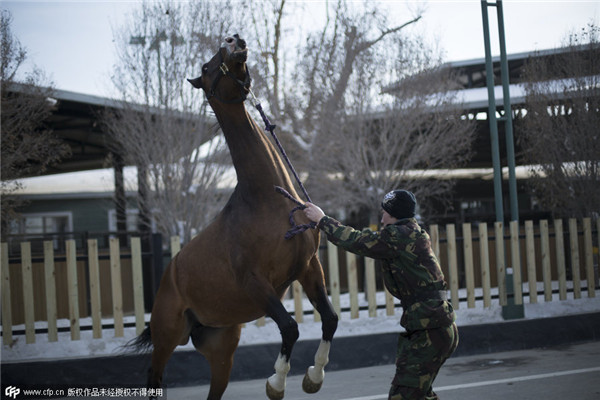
(239, 267)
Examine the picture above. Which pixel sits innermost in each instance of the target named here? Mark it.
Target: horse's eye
(205, 68)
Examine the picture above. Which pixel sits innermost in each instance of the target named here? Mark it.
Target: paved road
(558, 373)
(566, 372)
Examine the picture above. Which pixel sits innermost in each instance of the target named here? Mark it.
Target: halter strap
(243, 85)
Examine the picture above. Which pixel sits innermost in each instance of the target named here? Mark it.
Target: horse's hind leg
(218, 346)
(168, 328)
(167, 333)
(313, 283)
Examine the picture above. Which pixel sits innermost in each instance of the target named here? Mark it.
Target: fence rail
(91, 287)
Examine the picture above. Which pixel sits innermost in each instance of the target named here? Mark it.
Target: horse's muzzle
(240, 56)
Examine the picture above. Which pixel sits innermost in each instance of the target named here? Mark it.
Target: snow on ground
(109, 345)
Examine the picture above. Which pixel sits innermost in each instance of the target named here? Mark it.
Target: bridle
(244, 85)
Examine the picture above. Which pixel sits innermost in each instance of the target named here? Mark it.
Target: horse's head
(230, 62)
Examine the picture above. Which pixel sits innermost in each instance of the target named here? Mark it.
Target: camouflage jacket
(409, 266)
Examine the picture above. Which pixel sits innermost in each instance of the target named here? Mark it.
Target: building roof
(76, 119)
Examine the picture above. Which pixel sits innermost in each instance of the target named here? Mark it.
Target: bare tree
(183, 164)
(352, 141)
(410, 141)
(168, 133)
(28, 146)
(269, 35)
(325, 71)
(560, 133)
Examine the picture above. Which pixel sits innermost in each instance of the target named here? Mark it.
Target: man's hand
(313, 212)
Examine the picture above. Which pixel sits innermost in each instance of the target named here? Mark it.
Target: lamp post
(159, 36)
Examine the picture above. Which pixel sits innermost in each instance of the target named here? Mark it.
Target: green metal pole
(510, 310)
(508, 125)
(489, 72)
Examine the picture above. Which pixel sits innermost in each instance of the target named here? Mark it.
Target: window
(41, 226)
(131, 216)
(477, 208)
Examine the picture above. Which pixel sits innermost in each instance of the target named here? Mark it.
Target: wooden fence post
(589, 257)
(530, 251)
(334, 277)
(434, 234)
(560, 259)
(574, 247)
(175, 245)
(28, 307)
(546, 270)
(352, 284)
(485, 264)
(73, 288)
(138, 284)
(452, 265)
(316, 315)
(500, 262)
(49, 275)
(6, 303)
(516, 261)
(371, 286)
(298, 311)
(469, 272)
(116, 285)
(95, 294)
(435, 245)
(389, 302)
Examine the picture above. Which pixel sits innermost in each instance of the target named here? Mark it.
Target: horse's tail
(140, 344)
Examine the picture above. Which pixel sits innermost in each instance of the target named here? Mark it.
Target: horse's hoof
(309, 386)
(273, 394)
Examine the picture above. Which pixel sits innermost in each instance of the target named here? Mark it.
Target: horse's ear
(196, 82)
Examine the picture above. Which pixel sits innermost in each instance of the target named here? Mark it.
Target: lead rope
(295, 229)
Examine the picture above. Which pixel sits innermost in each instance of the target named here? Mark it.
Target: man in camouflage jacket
(412, 274)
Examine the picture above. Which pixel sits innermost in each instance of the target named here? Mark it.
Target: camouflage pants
(419, 359)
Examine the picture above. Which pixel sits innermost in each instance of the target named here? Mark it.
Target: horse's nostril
(229, 39)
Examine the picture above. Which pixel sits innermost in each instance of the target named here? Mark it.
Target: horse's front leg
(313, 283)
(289, 335)
(262, 293)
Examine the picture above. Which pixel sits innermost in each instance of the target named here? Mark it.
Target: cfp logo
(12, 391)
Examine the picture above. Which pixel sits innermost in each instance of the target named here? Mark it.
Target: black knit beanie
(399, 204)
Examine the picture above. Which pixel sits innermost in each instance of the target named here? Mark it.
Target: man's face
(387, 219)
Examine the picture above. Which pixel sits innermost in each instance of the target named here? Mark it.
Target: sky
(72, 41)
